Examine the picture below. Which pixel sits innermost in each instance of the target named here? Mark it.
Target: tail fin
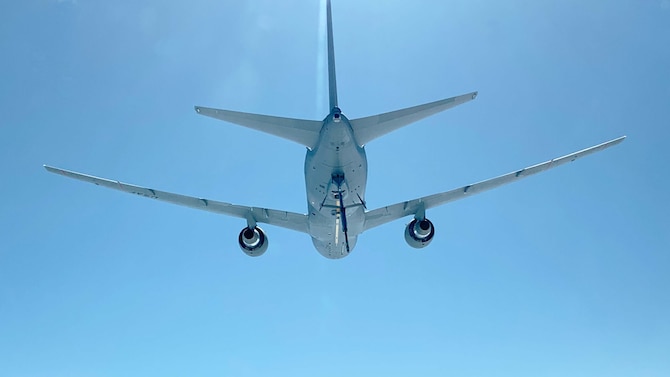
(332, 82)
(369, 128)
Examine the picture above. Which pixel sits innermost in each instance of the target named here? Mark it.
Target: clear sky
(564, 273)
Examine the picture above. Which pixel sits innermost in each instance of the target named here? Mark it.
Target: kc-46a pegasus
(335, 175)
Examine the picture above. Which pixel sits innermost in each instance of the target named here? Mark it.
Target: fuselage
(335, 178)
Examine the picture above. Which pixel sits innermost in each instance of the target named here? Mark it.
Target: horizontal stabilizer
(369, 128)
(304, 132)
(289, 220)
(396, 211)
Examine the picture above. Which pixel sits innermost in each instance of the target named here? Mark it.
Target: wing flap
(396, 211)
(284, 219)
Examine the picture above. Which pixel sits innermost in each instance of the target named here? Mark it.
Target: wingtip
(197, 109)
(613, 142)
(50, 169)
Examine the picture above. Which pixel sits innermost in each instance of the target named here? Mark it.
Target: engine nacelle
(419, 233)
(253, 241)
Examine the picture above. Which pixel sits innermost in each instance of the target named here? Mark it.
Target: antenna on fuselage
(332, 82)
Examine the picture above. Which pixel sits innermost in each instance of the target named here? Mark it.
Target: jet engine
(253, 241)
(419, 233)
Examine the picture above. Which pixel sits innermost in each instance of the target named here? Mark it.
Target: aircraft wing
(411, 207)
(289, 220)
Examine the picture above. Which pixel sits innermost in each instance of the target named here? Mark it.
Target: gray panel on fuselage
(337, 152)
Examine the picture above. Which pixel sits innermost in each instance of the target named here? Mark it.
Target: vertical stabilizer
(332, 83)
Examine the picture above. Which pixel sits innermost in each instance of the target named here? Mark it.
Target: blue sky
(565, 273)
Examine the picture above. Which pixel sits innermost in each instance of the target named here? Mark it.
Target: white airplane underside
(335, 175)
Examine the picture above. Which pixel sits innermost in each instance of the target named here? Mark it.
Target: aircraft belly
(335, 179)
(326, 225)
(319, 170)
(326, 229)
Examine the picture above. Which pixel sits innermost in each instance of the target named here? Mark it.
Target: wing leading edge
(284, 219)
(387, 214)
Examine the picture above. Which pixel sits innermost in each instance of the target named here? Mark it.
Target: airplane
(335, 175)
